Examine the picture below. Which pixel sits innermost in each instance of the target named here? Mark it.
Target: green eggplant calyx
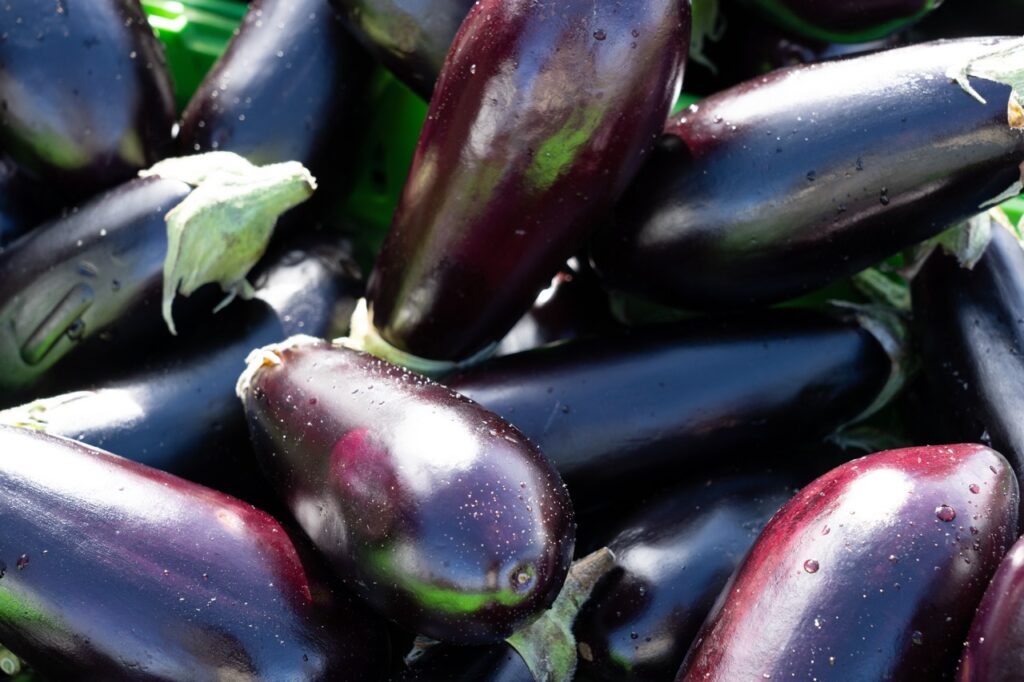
(969, 240)
(548, 645)
(221, 229)
(32, 415)
(363, 336)
(1003, 64)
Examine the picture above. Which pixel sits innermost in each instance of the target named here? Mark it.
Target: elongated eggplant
(673, 558)
(116, 571)
(994, 651)
(806, 175)
(86, 97)
(542, 114)
(872, 572)
(178, 412)
(289, 87)
(667, 398)
(844, 21)
(439, 513)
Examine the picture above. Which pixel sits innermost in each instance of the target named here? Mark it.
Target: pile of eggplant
(632, 390)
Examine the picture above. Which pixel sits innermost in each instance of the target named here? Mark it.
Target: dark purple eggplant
(806, 175)
(22, 202)
(178, 412)
(542, 114)
(411, 38)
(845, 21)
(115, 571)
(672, 560)
(994, 651)
(436, 511)
(872, 572)
(289, 87)
(86, 98)
(667, 398)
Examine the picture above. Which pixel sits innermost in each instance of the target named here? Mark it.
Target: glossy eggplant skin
(542, 114)
(682, 394)
(95, 273)
(845, 21)
(116, 571)
(87, 98)
(971, 332)
(994, 651)
(441, 515)
(289, 87)
(495, 663)
(410, 37)
(872, 572)
(796, 179)
(178, 412)
(673, 558)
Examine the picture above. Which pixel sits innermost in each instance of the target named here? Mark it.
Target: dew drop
(22, 562)
(826, 530)
(811, 175)
(917, 638)
(634, 635)
(883, 196)
(974, 488)
(945, 513)
(599, 34)
(3, 569)
(811, 566)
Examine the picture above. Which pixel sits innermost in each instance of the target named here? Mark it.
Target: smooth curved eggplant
(666, 398)
(994, 651)
(436, 511)
(872, 572)
(289, 87)
(672, 558)
(178, 412)
(542, 114)
(845, 21)
(410, 38)
(971, 332)
(115, 571)
(87, 100)
(783, 184)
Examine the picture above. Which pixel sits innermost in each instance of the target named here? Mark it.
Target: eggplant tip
(268, 356)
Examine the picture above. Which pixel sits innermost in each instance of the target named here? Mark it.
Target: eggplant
(494, 663)
(438, 513)
(22, 205)
(844, 21)
(116, 571)
(872, 572)
(684, 394)
(87, 100)
(672, 560)
(410, 38)
(542, 114)
(178, 411)
(994, 650)
(290, 87)
(971, 332)
(796, 179)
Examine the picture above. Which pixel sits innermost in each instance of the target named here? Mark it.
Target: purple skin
(845, 20)
(22, 205)
(995, 645)
(86, 97)
(796, 179)
(543, 113)
(115, 571)
(440, 514)
(872, 572)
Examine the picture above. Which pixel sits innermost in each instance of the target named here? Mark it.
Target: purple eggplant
(994, 651)
(86, 98)
(289, 87)
(806, 175)
(673, 558)
(22, 203)
(670, 397)
(871, 572)
(436, 511)
(845, 21)
(115, 571)
(542, 114)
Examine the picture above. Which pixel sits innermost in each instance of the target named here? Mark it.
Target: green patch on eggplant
(220, 230)
(1004, 64)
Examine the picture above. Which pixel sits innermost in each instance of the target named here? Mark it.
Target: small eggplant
(684, 393)
(994, 651)
(673, 558)
(783, 184)
(87, 100)
(872, 572)
(542, 114)
(115, 571)
(289, 87)
(178, 412)
(436, 511)
(845, 21)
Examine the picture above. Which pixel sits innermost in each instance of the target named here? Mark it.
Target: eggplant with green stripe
(786, 183)
(845, 21)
